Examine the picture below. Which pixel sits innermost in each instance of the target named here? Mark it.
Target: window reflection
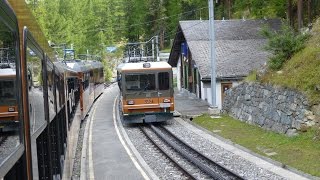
(35, 83)
(50, 89)
(10, 122)
(139, 82)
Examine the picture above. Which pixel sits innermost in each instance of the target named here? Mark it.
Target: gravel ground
(195, 171)
(8, 146)
(163, 170)
(77, 161)
(161, 166)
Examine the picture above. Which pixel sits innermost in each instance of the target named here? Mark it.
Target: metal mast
(212, 53)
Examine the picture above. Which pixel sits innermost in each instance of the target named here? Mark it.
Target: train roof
(143, 66)
(62, 67)
(95, 64)
(78, 65)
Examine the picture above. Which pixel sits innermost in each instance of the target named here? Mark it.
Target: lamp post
(213, 108)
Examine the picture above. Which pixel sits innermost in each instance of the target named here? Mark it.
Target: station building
(239, 49)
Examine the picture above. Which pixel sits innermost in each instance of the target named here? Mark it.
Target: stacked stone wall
(273, 108)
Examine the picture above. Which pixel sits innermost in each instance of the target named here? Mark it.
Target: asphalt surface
(188, 105)
(109, 158)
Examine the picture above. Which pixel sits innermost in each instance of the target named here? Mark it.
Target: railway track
(168, 155)
(198, 165)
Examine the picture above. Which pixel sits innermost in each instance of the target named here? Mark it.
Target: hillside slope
(302, 71)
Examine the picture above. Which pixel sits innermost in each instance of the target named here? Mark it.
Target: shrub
(283, 44)
(252, 77)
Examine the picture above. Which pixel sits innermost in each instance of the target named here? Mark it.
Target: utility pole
(152, 42)
(157, 48)
(213, 108)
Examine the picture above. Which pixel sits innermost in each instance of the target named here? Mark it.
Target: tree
(300, 13)
(290, 13)
(136, 16)
(99, 23)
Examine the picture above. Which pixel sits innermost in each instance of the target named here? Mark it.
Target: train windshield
(7, 92)
(140, 82)
(164, 81)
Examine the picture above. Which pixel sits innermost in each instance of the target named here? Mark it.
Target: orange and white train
(147, 93)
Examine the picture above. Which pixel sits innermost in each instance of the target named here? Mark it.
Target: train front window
(140, 82)
(7, 93)
(164, 81)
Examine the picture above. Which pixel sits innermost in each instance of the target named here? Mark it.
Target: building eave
(226, 78)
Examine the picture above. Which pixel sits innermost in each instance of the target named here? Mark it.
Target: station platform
(187, 105)
(107, 154)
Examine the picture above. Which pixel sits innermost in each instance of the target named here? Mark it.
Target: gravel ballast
(163, 170)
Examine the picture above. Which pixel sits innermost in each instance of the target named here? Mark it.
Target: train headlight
(166, 100)
(11, 109)
(130, 102)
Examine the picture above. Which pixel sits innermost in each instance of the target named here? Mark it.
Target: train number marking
(148, 101)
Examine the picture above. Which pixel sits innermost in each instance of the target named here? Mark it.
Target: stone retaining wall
(273, 108)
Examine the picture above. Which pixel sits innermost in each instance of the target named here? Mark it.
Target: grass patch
(301, 152)
(252, 77)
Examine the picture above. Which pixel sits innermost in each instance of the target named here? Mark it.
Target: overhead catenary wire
(159, 19)
(177, 32)
(148, 22)
(174, 32)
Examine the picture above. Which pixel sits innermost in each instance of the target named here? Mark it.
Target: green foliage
(87, 24)
(94, 24)
(260, 9)
(107, 74)
(283, 45)
(175, 81)
(301, 72)
(252, 77)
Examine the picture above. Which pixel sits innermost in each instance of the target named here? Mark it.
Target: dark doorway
(224, 88)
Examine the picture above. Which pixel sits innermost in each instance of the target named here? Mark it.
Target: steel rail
(185, 171)
(194, 160)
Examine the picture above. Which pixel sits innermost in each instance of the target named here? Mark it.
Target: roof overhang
(231, 78)
(176, 47)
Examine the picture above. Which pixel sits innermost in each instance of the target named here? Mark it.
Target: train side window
(164, 81)
(34, 60)
(57, 88)
(86, 77)
(101, 76)
(10, 103)
(50, 82)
